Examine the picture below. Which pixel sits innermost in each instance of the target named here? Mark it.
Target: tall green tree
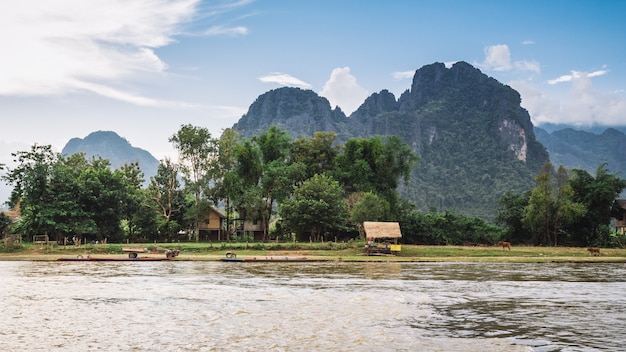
(132, 178)
(197, 151)
(71, 217)
(103, 197)
(242, 182)
(166, 198)
(280, 174)
(317, 153)
(226, 162)
(510, 214)
(598, 195)
(316, 208)
(374, 165)
(551, 207)
(31, 189)
(538, 215)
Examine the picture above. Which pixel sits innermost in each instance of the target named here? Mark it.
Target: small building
(620, 220)
(382, 237)
(256, 228)
(212, 228)
(14, 214)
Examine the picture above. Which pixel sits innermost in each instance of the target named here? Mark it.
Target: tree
(316, 153)
(367, 207)
(242, 182)
(5, 224)
(226, 161)
(30, 180)
(374, 165)
(70, 215)
(316, 208)
(538, 215)
(279, 173)
(550, 206)
(132, 178)
(197, 152)
(166, 198)
(263, 176)
(103, 197)
(511, 208)
(598, 195)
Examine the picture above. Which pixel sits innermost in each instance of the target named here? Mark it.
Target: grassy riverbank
(319, 251)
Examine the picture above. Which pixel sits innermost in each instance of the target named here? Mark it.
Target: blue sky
(142, 68)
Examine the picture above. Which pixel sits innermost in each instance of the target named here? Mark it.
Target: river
(327, 306)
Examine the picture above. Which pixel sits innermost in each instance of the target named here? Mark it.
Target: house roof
(219, 213)
(382, 229)
(621, 202)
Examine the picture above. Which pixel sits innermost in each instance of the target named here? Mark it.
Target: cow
(505, 245)
(594, 251)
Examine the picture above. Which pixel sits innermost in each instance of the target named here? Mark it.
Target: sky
(143, 68)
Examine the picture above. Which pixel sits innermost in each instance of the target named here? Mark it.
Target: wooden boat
(105, 259)
(132, 257)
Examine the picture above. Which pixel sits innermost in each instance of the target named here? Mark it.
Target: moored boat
(132, 257)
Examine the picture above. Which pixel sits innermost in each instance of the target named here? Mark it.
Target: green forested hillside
(474, 139)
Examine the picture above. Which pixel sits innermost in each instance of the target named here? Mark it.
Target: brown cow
(505, 245)
(594, 251)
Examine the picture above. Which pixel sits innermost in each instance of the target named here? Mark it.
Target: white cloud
(343, 90)
(284, 79)
(528, 42)
(232, 31)
(64, 46)
(498, 58)
(582, 105)
(400, 75)
(577, 75)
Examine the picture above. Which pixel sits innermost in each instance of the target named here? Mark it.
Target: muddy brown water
(329, 306)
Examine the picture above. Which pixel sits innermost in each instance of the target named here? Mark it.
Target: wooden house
(620, 220)
(256, 228)
(212, 228)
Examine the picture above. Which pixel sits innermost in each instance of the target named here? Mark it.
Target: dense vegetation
(310, 187)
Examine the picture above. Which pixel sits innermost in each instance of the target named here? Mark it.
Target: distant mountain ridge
(109, 145)
(586, 150)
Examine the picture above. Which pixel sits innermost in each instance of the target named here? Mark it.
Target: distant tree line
(311, 187)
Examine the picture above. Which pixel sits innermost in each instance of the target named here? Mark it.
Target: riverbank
(409, 253)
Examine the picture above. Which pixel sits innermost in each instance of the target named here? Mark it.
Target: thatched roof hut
(382, 229)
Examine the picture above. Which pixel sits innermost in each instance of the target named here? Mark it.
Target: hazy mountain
(586, 150)
(109, 145)
(474, 139)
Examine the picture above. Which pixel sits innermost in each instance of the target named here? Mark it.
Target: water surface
(214, 306)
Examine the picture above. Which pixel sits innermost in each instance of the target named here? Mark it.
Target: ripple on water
(198, 306)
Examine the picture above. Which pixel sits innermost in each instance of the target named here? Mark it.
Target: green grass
(352, 251)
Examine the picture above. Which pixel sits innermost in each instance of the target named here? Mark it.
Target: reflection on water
(214, 306)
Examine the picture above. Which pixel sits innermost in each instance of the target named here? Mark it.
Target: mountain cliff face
(300, 112)
(474, 139)
(109, 145)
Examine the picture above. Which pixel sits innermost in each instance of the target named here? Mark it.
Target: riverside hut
(382, 237)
